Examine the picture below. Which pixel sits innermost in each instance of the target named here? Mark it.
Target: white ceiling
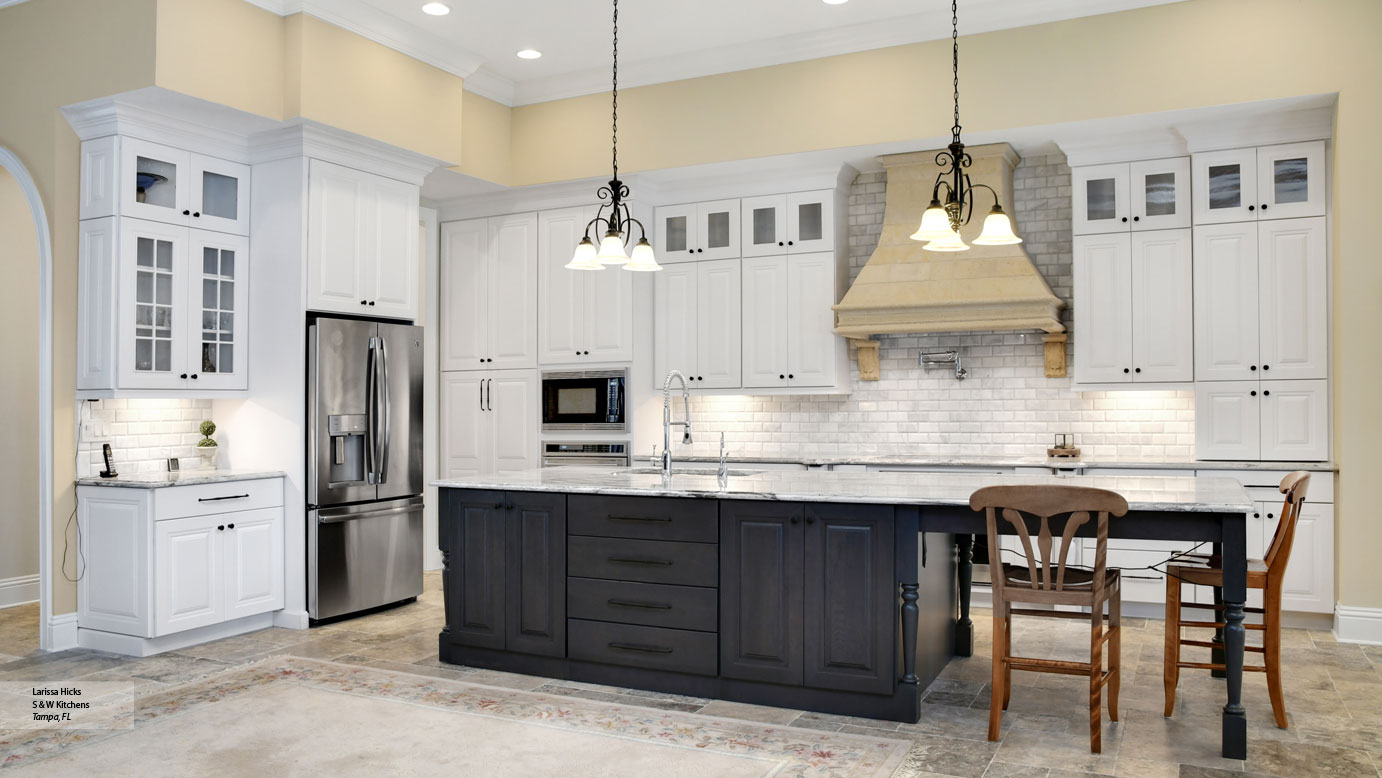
(660, 40)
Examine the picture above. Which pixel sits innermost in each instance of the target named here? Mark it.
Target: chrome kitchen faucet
(667, 419)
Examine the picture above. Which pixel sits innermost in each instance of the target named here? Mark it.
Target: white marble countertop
(181, 478)
(1142, 492)
(912, 460)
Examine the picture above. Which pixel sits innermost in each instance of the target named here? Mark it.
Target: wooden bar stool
(1071, 507)
(1266, 574)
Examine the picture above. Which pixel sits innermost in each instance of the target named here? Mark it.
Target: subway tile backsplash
(143, 434)
(1006, 407)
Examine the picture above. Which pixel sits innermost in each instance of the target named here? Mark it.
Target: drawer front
(654, 648)
(172, 502)
(648, 518)
(649, 561)
(649, 605)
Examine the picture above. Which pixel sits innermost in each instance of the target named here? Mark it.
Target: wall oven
(590, 400)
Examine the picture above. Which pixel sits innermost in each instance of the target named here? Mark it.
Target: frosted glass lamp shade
(612, 249)
(584, 258)
(642, 259)
(951, 242)
(935, 223)
(998, 230)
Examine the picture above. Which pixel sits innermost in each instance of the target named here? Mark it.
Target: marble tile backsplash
(1006, 407)
(143, 434)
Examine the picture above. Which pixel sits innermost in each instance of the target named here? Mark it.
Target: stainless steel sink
(684, 471)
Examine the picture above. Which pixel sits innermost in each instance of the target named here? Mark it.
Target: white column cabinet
(489, 422)
(464, 294)
(1103, 305)
(465, 427)
(1226, 302)
(718, 316)
(1268, 182)
(489, 293)
(583, 316)
(812, 344)
(765, 331)
(511, 401)
(674, 328)
(1293, 299)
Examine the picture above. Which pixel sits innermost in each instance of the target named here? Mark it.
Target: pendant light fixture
(941, 221)
(614, 212)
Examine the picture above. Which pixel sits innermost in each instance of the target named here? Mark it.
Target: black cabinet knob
(1266, 367)
(1137, 218)
(789, 243)
(1253, 393)
(230, 526)
(779, 243)
(1257, 515)
(810, 519)
(1266, 392)
(795, 519)
(221, 528)
(789, 375)
(198, 215)
(194, 376)
(577, 354)
(498, 505)
(364, 302)
(698, 251)
(371, 302)
(508, 506)
(1125, 219)
(1125, 370)
(587, 353)
(1250, 207)
(184, 375)
(186, 213)
(1137, 370)
(780, 375)
(1264, 206)
(1271, 515)
(1252, 367)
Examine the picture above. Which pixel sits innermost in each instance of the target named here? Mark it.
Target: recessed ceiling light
(529, 54)
(835, 2)
(436, 9)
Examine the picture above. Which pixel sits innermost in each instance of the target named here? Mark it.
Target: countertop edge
(183, 478)
(1060, 463)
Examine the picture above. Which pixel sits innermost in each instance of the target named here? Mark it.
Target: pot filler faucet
(667, 422)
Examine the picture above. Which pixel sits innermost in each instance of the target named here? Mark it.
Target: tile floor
(1333, 694)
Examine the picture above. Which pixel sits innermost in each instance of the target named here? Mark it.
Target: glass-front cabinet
(218, 296)
(798, 223)
(1269, 182)
(134, 177)
(1131, 196)
(697, 231)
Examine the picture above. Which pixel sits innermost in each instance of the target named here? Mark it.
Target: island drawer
(655, 648)
(649, 561)
(649, 518)
(650, 605)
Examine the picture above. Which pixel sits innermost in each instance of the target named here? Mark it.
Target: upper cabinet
(582, 316)
(697, 331)
(798, 223)
(362, 243)
(788, 329)
(132, 177)
(1268, 182)
(1131, 196)
(489, 292)
(695, 231)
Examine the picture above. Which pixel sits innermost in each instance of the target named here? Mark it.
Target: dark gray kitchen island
(836, 592)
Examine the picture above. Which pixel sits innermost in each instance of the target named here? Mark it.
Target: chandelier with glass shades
(941, 221)
(614, 214)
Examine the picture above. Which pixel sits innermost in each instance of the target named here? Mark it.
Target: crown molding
(169, 118)
(491, 86)
(307, 138)
(1260, 129)
(1103, 148)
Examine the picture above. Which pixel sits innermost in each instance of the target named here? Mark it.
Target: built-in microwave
(584, 400)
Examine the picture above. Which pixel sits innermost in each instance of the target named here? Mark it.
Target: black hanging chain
(955, 59)
(615, 133)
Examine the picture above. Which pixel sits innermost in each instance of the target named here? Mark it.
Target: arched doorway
(15, 170)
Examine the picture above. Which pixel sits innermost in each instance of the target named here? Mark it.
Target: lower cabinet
(807, 595)
(209, 569)
(489, 422)
(505, 570)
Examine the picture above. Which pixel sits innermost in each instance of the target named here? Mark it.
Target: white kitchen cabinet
(697, 328)
(1293, 299)
(765, 326)
(1226, 302)
(162, 307)
(583, 316)
(134, 177)
(797, 223)
(1227, 420)
(489, 422)
(674, 328)
(788, 338)
(362, 252)
(1122, 197)
(1134, 295)
(1268, 182)
(1309, 581)
(697, 231)
(1295, 420)
(489, 293)
(170, 560)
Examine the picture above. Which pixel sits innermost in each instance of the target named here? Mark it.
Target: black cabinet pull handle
(637, 560)
(699, 251)
(1266, 392)
(700, 378)
(1271, 515)
(366, 302)
(640, 518)
(194, 376)
(779, 243)
(659, 606)
(781, 375)
(1253, 393)
(577, 354)
(1253, 368)
(789, 375)
(371, 302)
(789, 243)
(1125, 370)
(1137, 370)
(1257, 515)
(227, 497)
(587, 353)
(184, 375)
(1250, 207)
(640, 647)
(1264, 206)
(1266, 367)
(1125, 219)
(1136, 218)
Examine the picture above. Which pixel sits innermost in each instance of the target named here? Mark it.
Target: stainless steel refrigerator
(364, 465)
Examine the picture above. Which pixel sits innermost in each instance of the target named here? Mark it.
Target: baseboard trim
(62, 632)
(20, 590)
(291, 619)
(137, 646)
(1358, 625)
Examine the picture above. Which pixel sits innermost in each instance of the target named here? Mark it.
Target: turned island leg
(910, 595)
(964, 628)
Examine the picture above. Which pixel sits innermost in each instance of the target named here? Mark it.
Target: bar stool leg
(1008, 652)
(1096, 686)
(1115, 643)
(1271, 639)
(1171, 671)
(1000, 662)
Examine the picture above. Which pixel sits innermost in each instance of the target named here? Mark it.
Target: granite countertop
(913, 460)
(181, 478)
(1143, 493)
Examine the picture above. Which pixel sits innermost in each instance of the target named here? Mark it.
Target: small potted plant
(206, 446)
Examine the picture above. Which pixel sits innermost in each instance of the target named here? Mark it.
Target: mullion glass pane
(1100, 201)
(1291, 180)
(1225, 186)
(219, 195)
(764, 226)
(1160, 189)
(717, 227)
(674, 233)
(809, 222)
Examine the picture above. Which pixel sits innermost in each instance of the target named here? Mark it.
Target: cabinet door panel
(1160, 194)
(765, 332)
(561, 292)
(1290, 180)
(512, 317)
(675, 327)
(153, 326)
(812, 345)
(1308, 585)
(1227, 420)
(761, 599)
(764, 221)
(336, 239)
(850, 598)
(1294, 299)
(472, 536)
(187, 574)
(676, 233)
(464, 298)
(464, 439)
(218, 302)
(1295, 420)
(535, 590)
(512, 407)
(1226, 302)
(220, 195)
(1163, 330)
(1224, 186)
(717, 230)
(252, 554)
(718, 311)
(1100, 194)
(1103, 307)
(155, 181)
(810, 222)
(392, 253)
(608, 324)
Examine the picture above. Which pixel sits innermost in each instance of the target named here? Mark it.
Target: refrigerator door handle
(338, 518)
(371, 414)
(386, 414)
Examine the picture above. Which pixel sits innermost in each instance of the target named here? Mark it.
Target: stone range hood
(904, 289)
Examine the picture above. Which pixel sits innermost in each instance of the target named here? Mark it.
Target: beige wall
(225, 51)
(486, 135)
(18, 385)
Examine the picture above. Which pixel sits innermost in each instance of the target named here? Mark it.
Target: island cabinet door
(761, 559)
(535, 571)
(851, 597)
(472, 537)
